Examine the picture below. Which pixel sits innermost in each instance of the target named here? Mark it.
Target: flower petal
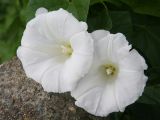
(35, 63)
(100, 95)
(51, 29)
(96, 95)
(41, 11)
(36, 35)
(41, 50)
(129, 87)
(103, 50)
(99, 34)
(133, 62)
(74, 68)
(112, 47)
(121, 46)
(64, 25)
(51, 78)
(82, 43)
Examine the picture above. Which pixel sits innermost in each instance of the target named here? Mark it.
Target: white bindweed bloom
(116, 78)
(56, 50)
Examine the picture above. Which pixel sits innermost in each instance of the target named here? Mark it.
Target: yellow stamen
(66, 49)
(110, 69)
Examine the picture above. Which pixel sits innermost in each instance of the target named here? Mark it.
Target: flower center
(110, 69)
(66, 49)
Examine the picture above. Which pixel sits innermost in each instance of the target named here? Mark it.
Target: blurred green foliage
(139, 20)
(11, 27)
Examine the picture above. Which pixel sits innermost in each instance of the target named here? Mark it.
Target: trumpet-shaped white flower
(116, 78)
(55, 49)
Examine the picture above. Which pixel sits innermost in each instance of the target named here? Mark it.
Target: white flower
(116, 78)
(56, 50)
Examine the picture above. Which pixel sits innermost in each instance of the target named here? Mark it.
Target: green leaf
(79, 8)
(154, 76)
(48, 4)
(142, 32)
(149, 7)
(115, 2)
(151, 95)
(7, 49)
(121, 22)
(140, 111)
(23, 3)
(11, 28)
(98, 17)
(146, 38)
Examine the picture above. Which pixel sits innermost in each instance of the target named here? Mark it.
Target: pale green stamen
(66, 49)
(110, 70)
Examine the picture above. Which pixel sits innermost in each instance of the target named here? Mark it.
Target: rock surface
(23, 99)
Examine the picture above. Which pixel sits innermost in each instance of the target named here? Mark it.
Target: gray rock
(22, 98)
